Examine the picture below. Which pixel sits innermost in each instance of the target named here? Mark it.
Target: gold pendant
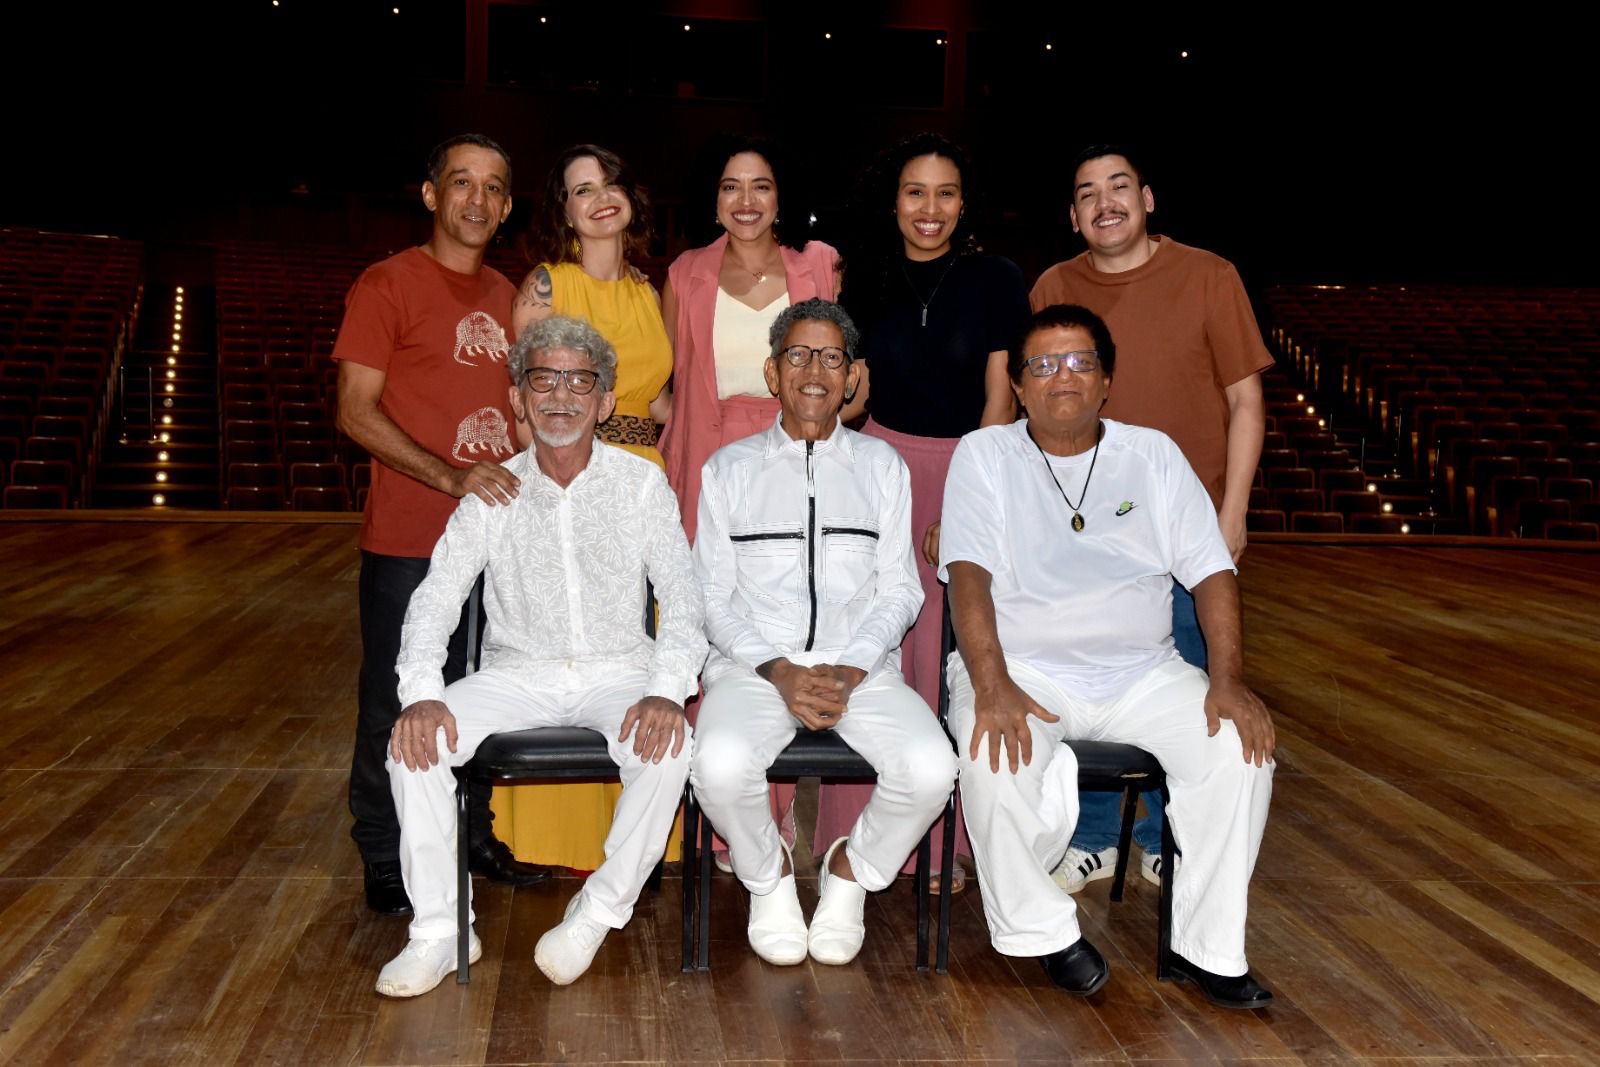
(1077, 523)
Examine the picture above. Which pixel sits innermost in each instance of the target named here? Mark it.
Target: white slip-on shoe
(1078, 868)
(777, 929)
(422, 965)
(837, 926)
(566, 950)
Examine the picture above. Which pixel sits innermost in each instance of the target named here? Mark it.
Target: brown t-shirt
(1184, 332)
(440, 337)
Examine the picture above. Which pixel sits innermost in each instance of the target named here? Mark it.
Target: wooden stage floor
(177, 885)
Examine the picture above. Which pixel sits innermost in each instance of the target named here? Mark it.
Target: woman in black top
(936, 318)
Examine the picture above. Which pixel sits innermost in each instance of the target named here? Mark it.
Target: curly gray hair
(558, 331)
(814, 310)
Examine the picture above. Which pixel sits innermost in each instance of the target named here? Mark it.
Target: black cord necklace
(1077, 519)
(918, 295)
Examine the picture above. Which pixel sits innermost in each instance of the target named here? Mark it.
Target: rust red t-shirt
(1184, 332)
(440, 337)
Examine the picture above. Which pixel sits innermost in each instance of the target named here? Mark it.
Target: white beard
(558, 440)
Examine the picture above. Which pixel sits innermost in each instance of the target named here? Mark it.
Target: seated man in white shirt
(565, 564)
(804, 554)
(1061, 537)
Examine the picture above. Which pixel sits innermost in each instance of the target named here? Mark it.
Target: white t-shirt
(740, 346)
(1091, 610)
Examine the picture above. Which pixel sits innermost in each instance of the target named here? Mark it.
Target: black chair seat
(819, 755)
(545, 752)
(1109, 760)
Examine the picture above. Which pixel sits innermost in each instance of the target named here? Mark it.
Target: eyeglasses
(544, 379)
(1043, 366)
(799, 356)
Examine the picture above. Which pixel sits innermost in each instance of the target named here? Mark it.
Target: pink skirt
(928, 459)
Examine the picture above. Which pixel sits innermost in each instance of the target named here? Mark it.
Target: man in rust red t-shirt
(423, 387)
(1189, 363)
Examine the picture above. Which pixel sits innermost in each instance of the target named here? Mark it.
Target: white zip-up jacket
(804, 551)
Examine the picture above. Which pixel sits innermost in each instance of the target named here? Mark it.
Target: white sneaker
(566, 950)
(777, 929)
(1150, 866)
(837, 926)
(422, 965)
(1078, 868)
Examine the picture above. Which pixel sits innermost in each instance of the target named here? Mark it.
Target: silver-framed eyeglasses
(799, 356)
(1049, 363)
(544, 379)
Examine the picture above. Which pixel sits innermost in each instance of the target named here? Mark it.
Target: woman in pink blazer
(719, 303)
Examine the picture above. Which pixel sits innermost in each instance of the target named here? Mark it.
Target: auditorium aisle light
(1405, 527)
(158, 500)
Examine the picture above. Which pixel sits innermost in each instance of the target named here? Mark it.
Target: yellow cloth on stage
(566, 825)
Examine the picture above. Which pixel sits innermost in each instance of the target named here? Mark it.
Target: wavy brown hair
(552, 240)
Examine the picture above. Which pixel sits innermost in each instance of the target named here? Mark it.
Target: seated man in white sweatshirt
(804, 556)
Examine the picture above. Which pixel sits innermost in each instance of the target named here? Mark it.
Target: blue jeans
(1100, 814)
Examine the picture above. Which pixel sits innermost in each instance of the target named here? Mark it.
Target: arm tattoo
(537, 290)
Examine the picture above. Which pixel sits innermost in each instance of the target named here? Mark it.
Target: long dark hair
(875, 248)
(552, 240)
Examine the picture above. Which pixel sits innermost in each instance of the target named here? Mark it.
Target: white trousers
(489, 703)
(1020, 824)
(744, 725)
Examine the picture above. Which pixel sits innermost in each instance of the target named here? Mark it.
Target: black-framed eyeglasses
(798, 356)
(544, 379)
(1050, 363)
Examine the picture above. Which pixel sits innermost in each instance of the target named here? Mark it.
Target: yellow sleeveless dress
(566, 825)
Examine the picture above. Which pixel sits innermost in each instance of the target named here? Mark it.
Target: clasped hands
(818, 696)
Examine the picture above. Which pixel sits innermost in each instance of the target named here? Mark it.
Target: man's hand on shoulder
(1001, 715)
(1234, 700)
(657, 725)
(489, 482)
(412, 741)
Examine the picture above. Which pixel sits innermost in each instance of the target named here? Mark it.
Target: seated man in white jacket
(565, 558)
(804, 556)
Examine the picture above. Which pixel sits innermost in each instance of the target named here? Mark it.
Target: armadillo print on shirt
(479, 335)
(481, 435)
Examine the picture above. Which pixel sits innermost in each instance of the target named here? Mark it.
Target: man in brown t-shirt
(1189, 362)
(422, 387)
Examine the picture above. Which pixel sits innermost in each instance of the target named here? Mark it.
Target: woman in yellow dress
(594, 219)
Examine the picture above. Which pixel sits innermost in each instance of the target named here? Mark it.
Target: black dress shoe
(491, 858)
(1079, 968)
(386, 890)
(1225, 991)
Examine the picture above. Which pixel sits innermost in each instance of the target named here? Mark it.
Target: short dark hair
(792, 227)
(441, 152)
(1096, 151)
(551, 240)
(815, 309)
(1065, 315)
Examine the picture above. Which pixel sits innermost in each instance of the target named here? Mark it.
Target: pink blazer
(695, 429)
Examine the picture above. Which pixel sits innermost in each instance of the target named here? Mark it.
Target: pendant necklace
(1077, 518)
(917, 295)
